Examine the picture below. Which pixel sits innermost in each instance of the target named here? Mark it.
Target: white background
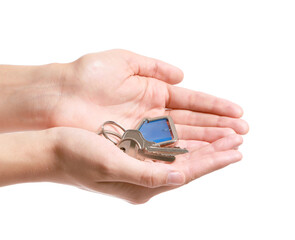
(240, 50)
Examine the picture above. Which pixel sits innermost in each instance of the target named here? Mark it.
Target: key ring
(106, 132)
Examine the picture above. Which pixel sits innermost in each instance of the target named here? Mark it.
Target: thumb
(154, 68)
(147, 173)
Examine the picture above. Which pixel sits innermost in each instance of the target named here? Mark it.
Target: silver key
(129, 146)
(134, 144)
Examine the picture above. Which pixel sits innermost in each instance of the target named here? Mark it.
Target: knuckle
(213, 165)
(220, 121)
(148, 177)
(155, 68)
(229, 131)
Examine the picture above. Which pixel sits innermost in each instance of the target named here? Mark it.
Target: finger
(150, 67)
(199, 167)
(191, 145)
(181, 98)
(143, 173)
(191, 118)
(138, 194)
(212, 162)
(223, 144)
(208, 134)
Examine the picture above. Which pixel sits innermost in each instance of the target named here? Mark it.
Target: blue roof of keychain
(160, 130)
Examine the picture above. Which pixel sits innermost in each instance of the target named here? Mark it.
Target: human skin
(83, 159)
(114, 85)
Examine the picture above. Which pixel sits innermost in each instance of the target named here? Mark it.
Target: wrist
(27, 157)
(28, 95)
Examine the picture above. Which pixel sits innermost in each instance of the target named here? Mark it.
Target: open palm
(125, 87)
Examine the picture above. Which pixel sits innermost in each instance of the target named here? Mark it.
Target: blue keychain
(160, 130)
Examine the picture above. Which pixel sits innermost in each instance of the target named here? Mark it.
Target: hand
(125, 87)
(88, 161)
(113, 85)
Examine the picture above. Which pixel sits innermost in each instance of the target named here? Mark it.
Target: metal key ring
(113, 133)
(105, 132)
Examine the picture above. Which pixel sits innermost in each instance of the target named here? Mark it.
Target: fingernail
(175, 178)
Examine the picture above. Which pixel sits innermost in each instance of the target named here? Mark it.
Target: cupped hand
(125, 87)
(86, 160)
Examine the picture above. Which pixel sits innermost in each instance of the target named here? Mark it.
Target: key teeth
(166, 153)
(170, 151)
(161, 157)
(164, 156)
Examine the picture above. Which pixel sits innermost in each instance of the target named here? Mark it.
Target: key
(132, 142)
(136, 137)
(130, 147)
(135, 145)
